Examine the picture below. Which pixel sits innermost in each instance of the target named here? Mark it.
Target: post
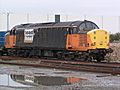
(66, 17)
(47, 17)
(85, 17)
(27, 17)
(8, 14)
(102, 22)
(118, 23)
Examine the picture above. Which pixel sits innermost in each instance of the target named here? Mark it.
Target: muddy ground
(29, 78)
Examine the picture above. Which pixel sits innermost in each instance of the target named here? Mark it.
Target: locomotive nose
(102, 39)
(99, 38)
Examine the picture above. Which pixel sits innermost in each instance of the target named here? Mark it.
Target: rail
(112, 68)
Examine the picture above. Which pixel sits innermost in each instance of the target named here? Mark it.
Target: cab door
(72, 39)
(10, 39)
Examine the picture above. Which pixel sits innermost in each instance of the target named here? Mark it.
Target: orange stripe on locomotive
(76, 42)
(10, 41)
(94, 39)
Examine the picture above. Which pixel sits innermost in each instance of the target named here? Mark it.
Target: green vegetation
(115, 37)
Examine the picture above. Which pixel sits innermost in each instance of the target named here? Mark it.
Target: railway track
(112, 68)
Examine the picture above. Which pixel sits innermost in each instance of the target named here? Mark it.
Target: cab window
(88, 26)
(73, 30)
(12, 32)
(82, 26)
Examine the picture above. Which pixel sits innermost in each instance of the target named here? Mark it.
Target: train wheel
(100, 58)
(59, 55)
(89, 59)
(68, 57)
(1, 54)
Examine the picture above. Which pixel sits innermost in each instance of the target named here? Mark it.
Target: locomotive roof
(50, 24)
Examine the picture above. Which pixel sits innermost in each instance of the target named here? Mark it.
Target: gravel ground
(88, 81)
(115, 56)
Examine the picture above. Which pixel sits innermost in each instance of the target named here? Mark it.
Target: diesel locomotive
(76, 40)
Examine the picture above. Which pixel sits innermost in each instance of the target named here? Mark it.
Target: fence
(8, 20)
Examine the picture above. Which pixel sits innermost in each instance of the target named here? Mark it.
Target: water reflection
(45, 80)
(6, 80)
(25, 80)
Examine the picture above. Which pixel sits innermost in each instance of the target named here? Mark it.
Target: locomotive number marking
(28, 35)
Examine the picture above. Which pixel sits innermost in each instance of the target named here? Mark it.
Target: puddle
(6, 80)
(26, 81)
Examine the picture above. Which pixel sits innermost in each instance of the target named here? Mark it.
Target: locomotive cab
(89, 39)
(10, 39)
(77, 37)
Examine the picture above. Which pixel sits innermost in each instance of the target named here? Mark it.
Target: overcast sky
(110, 9)
(94, 7)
